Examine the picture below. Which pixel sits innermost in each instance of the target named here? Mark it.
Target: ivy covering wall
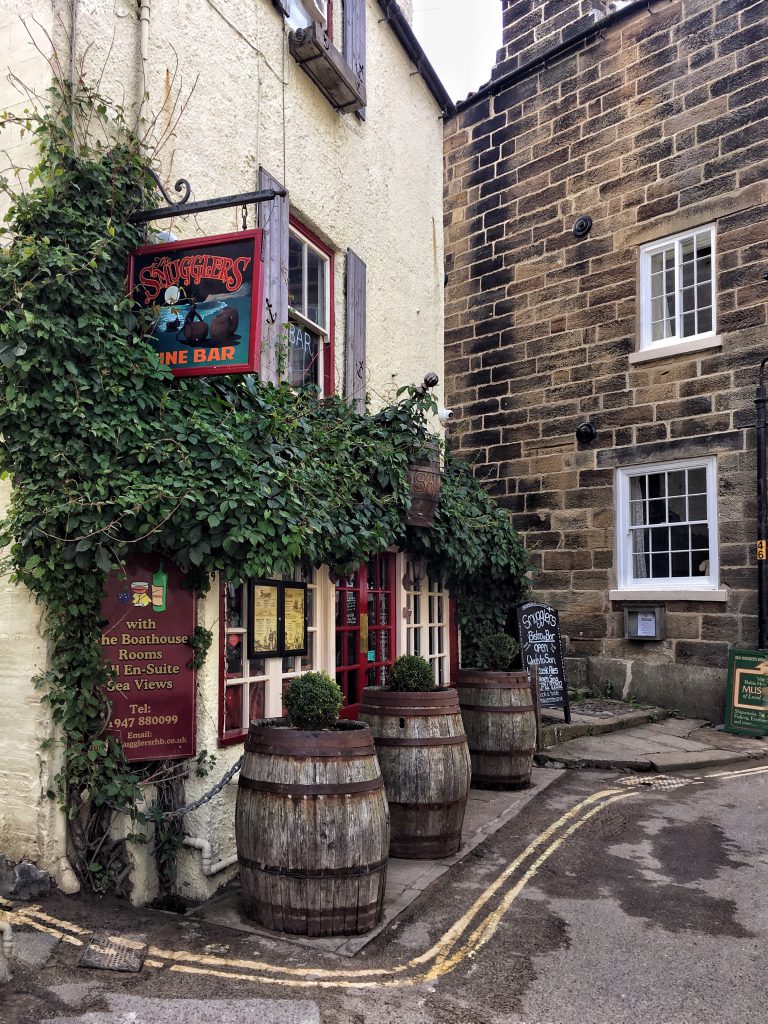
(109, 454)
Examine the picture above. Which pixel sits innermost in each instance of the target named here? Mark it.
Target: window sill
(662, 594)
(677, 348)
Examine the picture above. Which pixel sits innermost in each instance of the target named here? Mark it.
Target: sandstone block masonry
(654, 126)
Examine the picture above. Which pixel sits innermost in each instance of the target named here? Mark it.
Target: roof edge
(412, 46)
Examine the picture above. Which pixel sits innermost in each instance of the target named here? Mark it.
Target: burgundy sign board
(150, 619)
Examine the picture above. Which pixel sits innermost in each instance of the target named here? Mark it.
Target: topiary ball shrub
(495, 652)
(412, 674)
(313, 702)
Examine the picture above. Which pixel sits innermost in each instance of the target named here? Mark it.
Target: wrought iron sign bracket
(183, 207)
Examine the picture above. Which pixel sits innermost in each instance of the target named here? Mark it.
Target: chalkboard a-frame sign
(538, 632)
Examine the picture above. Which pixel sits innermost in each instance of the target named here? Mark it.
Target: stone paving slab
(686, 744)
(33, 949)
(487, 811)
(136, 1010)
(709, 759)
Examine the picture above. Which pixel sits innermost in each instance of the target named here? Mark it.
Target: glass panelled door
(365, 640)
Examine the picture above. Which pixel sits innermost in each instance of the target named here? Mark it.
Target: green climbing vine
(109, 454)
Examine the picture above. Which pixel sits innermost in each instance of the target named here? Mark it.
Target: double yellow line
(461, 941)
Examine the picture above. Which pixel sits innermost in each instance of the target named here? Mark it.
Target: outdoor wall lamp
(586, 432)
(582, 227)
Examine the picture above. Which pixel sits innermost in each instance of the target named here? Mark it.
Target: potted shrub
(424, 759)
(311, 822)
(499, 715)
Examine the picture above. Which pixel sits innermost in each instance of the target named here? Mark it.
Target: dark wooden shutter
(273, 218)
(354, 347)
(354, 41)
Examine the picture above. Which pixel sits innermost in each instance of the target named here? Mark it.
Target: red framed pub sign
(203, 297)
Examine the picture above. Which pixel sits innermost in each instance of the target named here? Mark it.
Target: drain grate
(115, 952)
(653, 781)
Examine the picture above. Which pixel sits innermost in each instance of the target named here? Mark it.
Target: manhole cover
(115, 952)
(653, 781)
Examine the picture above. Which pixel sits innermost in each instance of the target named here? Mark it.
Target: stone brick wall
(531, 27)
(657, 126)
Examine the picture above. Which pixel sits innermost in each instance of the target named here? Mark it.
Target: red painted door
(365, 638)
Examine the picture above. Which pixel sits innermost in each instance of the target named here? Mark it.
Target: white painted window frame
(676, 342)
(680, 586)
(431, 627)
(296, 315)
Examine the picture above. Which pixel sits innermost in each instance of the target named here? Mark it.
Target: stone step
(553, 733)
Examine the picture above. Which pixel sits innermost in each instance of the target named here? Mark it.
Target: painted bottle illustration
(159, 590)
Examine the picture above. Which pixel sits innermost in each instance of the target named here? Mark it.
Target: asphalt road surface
(601, 903)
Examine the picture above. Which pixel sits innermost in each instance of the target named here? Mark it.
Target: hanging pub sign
(538, 633)
(203, 298)
(746, 705)
(150, 619)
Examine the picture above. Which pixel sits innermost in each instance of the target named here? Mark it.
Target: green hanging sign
(746, 711)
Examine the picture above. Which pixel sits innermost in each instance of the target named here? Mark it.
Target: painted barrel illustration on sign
(500, 722)
(312, 829)
(424, 760)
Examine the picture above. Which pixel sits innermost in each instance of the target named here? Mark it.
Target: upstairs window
(677, 293)
(308, 349)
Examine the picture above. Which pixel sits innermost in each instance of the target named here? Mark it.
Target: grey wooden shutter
(354, 40)
(354, 347)
(273, 218)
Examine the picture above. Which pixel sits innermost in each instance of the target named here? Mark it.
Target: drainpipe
(144, 14)
(207, 856)
(73, 47)
(762, 514)
(7, 939)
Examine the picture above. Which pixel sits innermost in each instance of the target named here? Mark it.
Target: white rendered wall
(374, 186)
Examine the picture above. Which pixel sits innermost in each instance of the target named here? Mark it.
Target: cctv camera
(445, 416)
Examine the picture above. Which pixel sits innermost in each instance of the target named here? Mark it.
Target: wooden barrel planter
(312, 829)
(500, 722)
(424, 760)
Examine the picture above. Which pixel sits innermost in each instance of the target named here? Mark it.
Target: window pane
(257, 667)
(689, 324)
(234, 654)
(234, 599)
(308, 660)
(302, 356)
(657, 485)
(677, 512)
(697, 481)
(676, 482)
(416, 609)
(296, 274)
(233, 709)
(660, 539)
(704, 320)
(256, 701)
(657, 511)
(680, 564)
(659, 566)
(680, 536)
(700, 563)
(352, 647)
(697, 507)
(316, 287)
(640, 565)
(352, 687)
